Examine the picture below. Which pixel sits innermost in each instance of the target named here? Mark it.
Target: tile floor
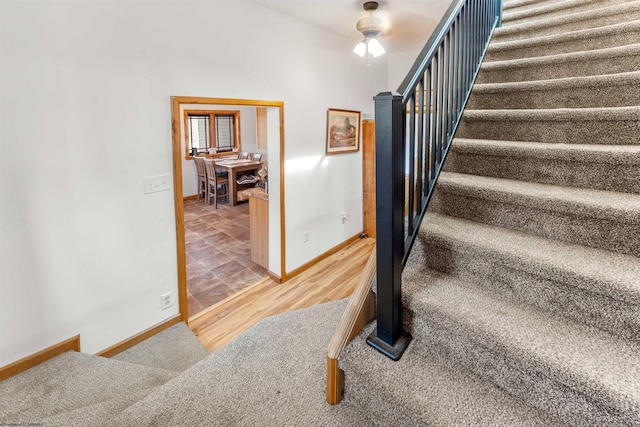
(218, 253)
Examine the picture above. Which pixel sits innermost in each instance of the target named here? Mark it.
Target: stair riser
(521, 16)
(596, 96)
(574, 68)
(538, 386)
(531, 218)
(615, 39)
(598, 176)
(511, 33)
(512, 279)
(613, 132)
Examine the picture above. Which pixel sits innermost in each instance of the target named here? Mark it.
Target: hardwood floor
(331, 279)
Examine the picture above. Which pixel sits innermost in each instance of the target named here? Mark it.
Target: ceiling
(409, 23)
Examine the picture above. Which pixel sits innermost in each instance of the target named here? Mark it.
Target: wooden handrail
(360, 311)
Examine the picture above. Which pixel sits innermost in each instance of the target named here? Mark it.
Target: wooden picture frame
(343, 131)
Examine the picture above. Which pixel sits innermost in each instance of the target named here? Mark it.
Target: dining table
(235, 167)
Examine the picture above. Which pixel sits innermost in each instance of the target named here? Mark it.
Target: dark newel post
(388, 338)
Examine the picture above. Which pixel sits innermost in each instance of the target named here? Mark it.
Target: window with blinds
(199, 132)
(212, 129)
(224, 132)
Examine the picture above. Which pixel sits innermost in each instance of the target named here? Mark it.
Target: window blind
(199, 132)
(224, 132)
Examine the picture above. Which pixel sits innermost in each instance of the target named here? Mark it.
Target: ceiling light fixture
(370, 27)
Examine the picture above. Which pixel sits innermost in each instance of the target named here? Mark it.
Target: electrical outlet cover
(165, 301)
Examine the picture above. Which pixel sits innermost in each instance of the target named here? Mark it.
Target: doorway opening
(186, 186)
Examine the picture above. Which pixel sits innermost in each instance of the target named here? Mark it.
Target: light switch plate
(153, 184)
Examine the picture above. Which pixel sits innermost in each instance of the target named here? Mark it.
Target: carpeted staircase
(522, 291)
(77, 389)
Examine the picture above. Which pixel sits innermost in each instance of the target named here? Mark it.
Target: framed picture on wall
(343, 131)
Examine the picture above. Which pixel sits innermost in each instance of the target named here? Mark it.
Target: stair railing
(414, 130)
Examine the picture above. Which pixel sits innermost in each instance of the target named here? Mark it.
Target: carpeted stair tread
(72, 381)
(615, 35)
(609, 90)
(596, 153)
(609, 60)
(519, 5)
(597, 166)
(577, 359)
(546, 11)
(559, 114)
(594, 270)
(603, 14)
(610, 125)
(510, 5)
(428, 388)
(605, 205)
(175, 349)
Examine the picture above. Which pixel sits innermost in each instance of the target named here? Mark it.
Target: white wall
(85, 115)
(400, 62)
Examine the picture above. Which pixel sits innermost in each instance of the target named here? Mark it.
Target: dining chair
(256, 157)
(213, 182)
(243, 155)
(201, 175)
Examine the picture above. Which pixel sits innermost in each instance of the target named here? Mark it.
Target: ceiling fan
(370, 26)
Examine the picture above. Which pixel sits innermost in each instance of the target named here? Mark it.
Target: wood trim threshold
(138, 338)
(227, 300)
(272, 276)
(191, 197)
(71, 344)
(361, 309)
(322, 256)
